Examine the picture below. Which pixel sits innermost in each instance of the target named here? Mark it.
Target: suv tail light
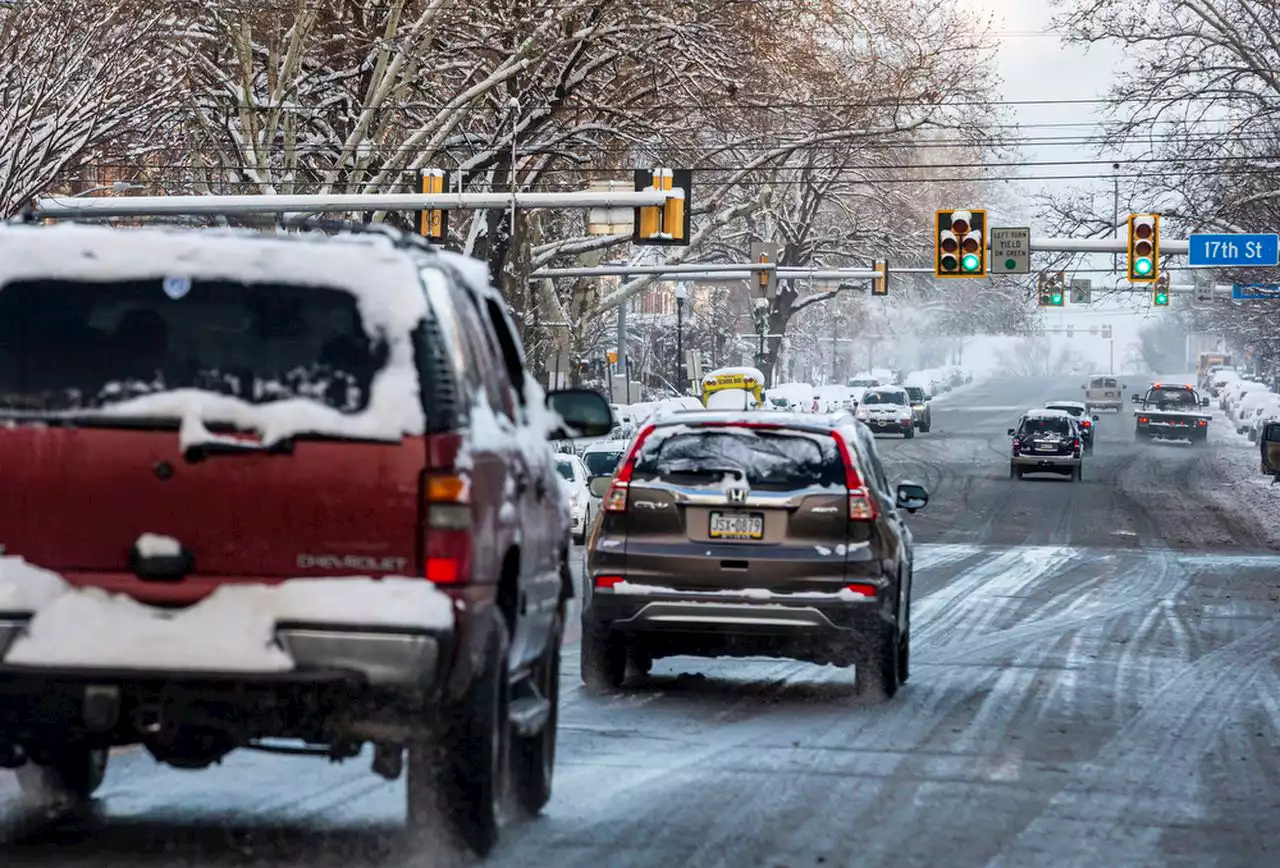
(1087, 424)
(447, 529)
(861, 505)
(615, 499)
(1017, 445)
(1075, 445)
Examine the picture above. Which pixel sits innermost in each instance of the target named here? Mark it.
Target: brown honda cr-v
(747, 534)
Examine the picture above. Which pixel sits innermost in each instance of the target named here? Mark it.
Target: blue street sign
(1254, 291)
(1233, 250)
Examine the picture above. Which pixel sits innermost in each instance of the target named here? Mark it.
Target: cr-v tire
(604, 661)
(533, 757)
(461, 779)
(876, 677)
(909, 433)
(73, 776)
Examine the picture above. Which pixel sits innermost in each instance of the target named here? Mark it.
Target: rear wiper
(198, 452)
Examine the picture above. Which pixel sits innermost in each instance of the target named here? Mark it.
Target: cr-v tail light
(615, 499)
(861, 505)
(447, 544)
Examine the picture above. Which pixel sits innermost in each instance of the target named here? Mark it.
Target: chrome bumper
(390, 659)
(769, 617)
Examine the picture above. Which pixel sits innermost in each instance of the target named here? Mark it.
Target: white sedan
(582, 505)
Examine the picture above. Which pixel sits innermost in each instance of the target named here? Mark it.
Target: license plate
(881, 422)
(1045, 447)
(737, 525)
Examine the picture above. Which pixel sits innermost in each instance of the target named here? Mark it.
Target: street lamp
(682, 293)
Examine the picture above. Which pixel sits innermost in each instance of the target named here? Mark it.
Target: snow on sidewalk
(1232, 478)
(231, 630)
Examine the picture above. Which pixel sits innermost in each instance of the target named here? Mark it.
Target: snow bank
(753, 594)
(385, 283)
(232, 630)
(26, 588)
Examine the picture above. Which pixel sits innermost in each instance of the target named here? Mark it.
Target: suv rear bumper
(1047, 463)
(884, 426)
(820, 628)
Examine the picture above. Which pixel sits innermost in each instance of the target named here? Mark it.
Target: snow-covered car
(573, 484)
(1046, 441)
(1234, 393)
(1266, 407)
(835, 398)
(268, 487)
(1248, 406)
(799, 396)
(887, 410)
(1221, 379)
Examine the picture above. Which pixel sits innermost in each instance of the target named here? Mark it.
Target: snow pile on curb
(232, 630)
(1234, 480)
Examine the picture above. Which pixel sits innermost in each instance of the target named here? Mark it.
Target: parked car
(206, 434)
(751, 534)
(582, 505)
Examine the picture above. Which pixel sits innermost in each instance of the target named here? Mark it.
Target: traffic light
(1160, 292)
(960, 244)
(433, 224)
(1144, 248)
(1052, 289)
(667, 224)
(880, 285)
(767, 281)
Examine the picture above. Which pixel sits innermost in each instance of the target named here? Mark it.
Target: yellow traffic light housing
(960, 243)
(880, 285)
(1144, 249)
(667, 224)
(433, 223)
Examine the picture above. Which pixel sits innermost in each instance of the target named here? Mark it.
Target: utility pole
(1115, 212)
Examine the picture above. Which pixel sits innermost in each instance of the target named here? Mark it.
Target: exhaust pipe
(388, 761)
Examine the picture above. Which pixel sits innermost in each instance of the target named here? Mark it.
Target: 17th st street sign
(1233, 251)
(1010, 251)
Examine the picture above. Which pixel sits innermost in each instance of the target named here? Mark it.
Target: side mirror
(1271, 432)
(912, 496)
(1096, 419)
(581, 412)
(1084, 387)
(1135, 397)
(1011, 432)
(599, 485)
(1204, 402)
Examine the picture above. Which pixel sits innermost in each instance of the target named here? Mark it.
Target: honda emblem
(737, 495)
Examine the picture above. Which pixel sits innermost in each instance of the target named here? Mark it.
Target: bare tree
(78, 79)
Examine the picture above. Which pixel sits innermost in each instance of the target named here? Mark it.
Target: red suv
(277, 487)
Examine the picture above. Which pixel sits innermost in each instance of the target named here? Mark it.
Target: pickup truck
(1171, 412)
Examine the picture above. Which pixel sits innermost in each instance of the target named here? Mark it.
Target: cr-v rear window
(68, 345)
(764, 458)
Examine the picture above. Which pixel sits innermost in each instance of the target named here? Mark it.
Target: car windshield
(70, 346)
(565, 469)
(875, 397)
(1045, 425)
(764, 459)
(916, 394)
(602, 463)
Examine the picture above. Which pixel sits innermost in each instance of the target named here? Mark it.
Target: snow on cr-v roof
(383, 281)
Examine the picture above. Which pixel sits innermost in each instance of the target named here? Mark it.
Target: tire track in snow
(935, 556)
(1146, 778)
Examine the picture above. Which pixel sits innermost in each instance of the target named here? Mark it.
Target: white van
(1103, 393)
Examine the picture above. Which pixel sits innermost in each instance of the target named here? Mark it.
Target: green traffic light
(1142, 267)
(1057, 298)
(971, 262)
(1161, 298)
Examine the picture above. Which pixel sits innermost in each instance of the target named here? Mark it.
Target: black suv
(251, 420)
(761, 533)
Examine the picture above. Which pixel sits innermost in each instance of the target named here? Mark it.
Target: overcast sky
(1035, 64)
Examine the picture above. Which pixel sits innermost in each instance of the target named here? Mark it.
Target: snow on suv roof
(385, 282)
(1057, 405)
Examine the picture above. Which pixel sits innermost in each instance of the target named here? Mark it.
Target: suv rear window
(1046, 426)
(1172, 397)
(765, 459)
(68, 346)
(1102, 383)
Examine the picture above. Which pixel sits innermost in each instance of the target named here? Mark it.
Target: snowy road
(1095, 681)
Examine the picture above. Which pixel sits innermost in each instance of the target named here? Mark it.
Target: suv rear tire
(878, 676)
(604, 661)
(73, 777)
(533, 758)
(463, 775)
(1015, 472)
(909, 433)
